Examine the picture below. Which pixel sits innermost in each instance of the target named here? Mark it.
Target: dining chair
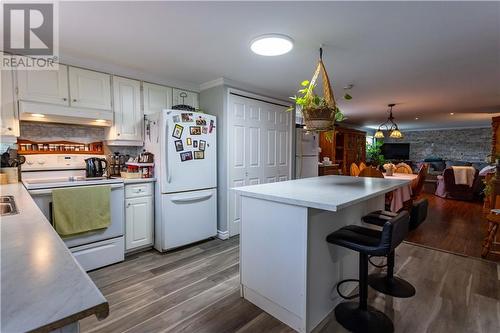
(354, 170)
(371, 172)
(493, 219)
(362, 165)
(418, 183)
(403, 168)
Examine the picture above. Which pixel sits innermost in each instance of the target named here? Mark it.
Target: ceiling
(431, 58)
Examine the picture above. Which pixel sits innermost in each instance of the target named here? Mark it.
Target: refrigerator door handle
(191, 198)
(167, 157)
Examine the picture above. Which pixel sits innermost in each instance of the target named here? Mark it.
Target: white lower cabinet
(139, 215)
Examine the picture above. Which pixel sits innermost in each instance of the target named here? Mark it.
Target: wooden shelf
(59, 147)
(62, 152)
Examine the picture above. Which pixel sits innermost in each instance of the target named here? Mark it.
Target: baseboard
(222, 234)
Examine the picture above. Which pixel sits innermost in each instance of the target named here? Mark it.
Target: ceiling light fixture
(271, 45)
(390, 126)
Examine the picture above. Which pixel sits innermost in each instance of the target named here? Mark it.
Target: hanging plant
(320, 112)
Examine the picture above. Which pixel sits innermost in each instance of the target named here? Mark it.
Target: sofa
(446, 187)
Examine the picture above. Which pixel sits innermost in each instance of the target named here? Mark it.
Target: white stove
(57, 182)
(42, 174)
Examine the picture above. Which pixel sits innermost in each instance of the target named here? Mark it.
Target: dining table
(403, 193)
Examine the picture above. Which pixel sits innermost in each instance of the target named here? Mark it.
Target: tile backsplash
(37, 131)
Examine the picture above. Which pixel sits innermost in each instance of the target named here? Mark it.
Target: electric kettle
(95, 167)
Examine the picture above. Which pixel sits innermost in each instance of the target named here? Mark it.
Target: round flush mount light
(271, 45)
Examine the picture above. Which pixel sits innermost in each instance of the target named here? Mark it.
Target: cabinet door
(47, 86)
(138, 222)
(156, 98)
(127, 109)
(185, 97)
(89, 89)
(9, 122)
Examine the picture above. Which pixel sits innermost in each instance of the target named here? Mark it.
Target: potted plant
(319, 112)
(374, 153)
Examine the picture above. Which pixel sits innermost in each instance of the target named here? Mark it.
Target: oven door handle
(49, 190)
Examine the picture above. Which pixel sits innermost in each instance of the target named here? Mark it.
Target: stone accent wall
(468, 144)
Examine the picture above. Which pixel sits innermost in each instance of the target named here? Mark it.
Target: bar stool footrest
(394, 286)
(356, 320)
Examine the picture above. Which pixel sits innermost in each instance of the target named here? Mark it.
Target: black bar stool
(360, 317)
(388, 283)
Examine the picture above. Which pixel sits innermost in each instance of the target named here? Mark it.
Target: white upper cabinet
(185, 97)
(89, 89)
(127, 110)
(156, 97)
(9, 122)
(47, 86)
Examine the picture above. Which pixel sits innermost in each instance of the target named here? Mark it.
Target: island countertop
(326, 192)
(43, 287)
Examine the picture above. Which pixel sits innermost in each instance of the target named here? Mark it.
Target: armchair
(446, 187)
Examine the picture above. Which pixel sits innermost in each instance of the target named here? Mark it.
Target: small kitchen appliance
(95, 167)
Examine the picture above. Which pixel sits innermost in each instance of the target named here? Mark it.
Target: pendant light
(389, 126)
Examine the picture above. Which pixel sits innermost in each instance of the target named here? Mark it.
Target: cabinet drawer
(100, 254)
(138, 190)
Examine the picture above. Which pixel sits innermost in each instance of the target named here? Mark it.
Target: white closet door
(259, 148)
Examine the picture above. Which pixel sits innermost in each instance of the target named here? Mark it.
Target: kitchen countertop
(136, 180)
(43, 287)
(326, 192)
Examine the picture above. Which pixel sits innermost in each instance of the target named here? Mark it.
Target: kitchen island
(287, 267)
(43, 288)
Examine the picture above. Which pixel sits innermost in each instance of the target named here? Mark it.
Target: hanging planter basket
(320, 118)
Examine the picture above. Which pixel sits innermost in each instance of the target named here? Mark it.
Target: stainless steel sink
(8, 205)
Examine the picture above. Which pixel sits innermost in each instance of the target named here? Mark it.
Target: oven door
(43, 199)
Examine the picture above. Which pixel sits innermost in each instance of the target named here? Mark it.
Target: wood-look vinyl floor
(196, 290)
(453, 225)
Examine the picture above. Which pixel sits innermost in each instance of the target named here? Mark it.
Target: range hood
(50, 113)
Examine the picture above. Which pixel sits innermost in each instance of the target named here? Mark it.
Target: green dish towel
(81, 209)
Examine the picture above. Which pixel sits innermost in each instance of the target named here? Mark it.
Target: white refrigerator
(306, 153)
(185, 152)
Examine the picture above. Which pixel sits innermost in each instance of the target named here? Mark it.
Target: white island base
(287, 267)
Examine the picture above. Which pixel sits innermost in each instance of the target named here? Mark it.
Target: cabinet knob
(65, 99)
(74, 100)
(9, 128)
(128, 205)
(117, 134)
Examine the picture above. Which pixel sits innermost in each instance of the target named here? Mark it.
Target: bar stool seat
(388, 283)
(357, 238)
(359, 317)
